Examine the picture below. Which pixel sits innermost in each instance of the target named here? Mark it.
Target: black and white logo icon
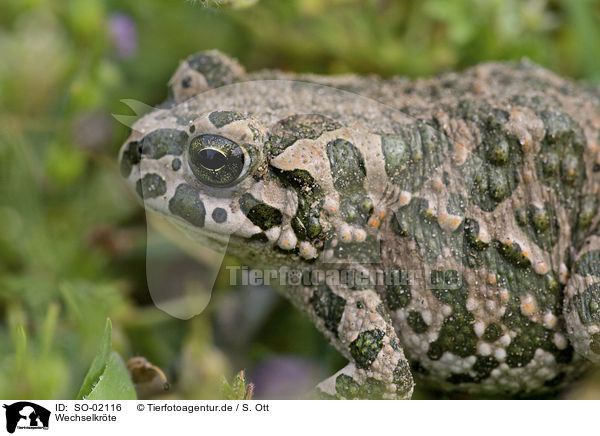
(26, 415)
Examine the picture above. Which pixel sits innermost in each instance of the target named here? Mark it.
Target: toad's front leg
(357, 323)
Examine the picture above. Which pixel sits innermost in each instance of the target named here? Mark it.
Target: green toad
(472, 196)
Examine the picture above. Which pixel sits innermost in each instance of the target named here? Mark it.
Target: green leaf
(107, 378)
(98, 364)
(239, 389)
(114, 383)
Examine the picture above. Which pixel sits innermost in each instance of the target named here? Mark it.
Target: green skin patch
(589, 264)
(560, 165)
(347, 166)
(306, 223)
(328, 306)
(366, 252)
(348, 171)
(530, 337)
(154, 145)
(186, 204)
(161, 142)
(416, 322)
(499, 158)
(151, 186)
(348, 388)
(398, 296)
(492, 333)
(457, 335)
(589, 206)
(540, 225)
(305, 126)
(365, 348)
(416, 221)
(402, 378)
(587, 305)
(262, 215)
(411, 156)
(513, 253)
(222, 118)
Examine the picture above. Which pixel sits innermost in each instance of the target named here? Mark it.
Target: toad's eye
(217, 161)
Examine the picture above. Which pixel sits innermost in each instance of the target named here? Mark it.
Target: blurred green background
(72, 238)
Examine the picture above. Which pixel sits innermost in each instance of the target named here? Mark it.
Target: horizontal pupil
(212, 159)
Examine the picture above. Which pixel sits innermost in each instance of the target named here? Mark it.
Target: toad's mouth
(182, 231)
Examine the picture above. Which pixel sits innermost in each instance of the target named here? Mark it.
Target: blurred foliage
(72, 239)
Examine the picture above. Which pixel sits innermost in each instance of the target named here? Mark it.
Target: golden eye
(217, 161)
